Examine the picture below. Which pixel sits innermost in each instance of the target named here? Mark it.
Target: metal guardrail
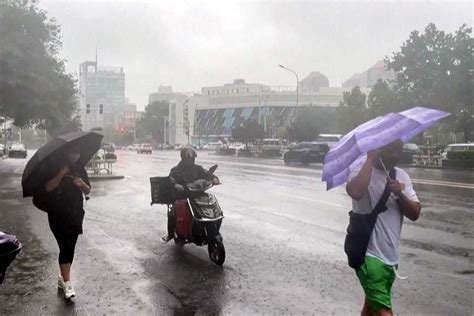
(98, 165)
(427, 160)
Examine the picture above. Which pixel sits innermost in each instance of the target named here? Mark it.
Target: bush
(460, 155)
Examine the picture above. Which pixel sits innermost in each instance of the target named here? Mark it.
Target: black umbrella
(84, 143)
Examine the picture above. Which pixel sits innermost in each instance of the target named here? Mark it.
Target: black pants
(66, 242)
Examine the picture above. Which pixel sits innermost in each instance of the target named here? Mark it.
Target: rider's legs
(171, 224)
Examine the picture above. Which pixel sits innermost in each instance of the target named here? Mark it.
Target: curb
(436, 168)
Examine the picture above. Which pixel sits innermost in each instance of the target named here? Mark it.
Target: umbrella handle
(384, 168)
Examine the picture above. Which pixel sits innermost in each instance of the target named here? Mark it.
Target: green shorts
(377, 279)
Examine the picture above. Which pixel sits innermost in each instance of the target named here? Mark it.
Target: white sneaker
(66, 287)
(60, 282)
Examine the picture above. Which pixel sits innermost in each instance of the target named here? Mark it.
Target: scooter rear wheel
(216, 252)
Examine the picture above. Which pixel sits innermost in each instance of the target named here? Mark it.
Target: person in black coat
(63, 196)
(185, 172)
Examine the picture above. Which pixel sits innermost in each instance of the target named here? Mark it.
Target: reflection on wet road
(283, 234)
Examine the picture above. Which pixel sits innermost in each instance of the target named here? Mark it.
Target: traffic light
(88, 108)
(101, 109)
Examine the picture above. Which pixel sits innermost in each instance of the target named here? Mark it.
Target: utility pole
(165, 125)
(5, 132)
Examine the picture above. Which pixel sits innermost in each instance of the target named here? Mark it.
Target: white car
(413, 148)
(17, 150)
(211, 146)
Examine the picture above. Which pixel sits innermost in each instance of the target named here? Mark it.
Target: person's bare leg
(385, 312)
(65, 271)
(366, 310)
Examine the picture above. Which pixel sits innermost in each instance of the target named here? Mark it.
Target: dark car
(306, 153)
(17, 150)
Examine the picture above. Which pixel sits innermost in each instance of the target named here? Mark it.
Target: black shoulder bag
(361, 226)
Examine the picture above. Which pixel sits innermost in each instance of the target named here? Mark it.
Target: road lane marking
(316, 201)
(444, 183)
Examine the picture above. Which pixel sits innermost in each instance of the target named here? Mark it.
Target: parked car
(211, 146)
(17, 150)
(306, 153)
(268, 147)
(2, 149)
(144, 149)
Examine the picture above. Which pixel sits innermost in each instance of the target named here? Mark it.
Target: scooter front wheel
(179, 242)
(216, 252)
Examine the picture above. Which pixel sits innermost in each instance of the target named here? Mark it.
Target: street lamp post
(165, 125)
(297, 81)
(266, 113)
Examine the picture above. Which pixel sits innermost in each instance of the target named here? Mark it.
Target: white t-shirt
(385, 237)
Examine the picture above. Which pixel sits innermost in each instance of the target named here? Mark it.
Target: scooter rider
(185, 172)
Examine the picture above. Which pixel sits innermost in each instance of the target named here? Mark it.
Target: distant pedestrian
(62, 196)
(373, 192)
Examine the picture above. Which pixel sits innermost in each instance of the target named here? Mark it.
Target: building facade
(102, 94)
(164, 93)
(368, 78)
(218, 109)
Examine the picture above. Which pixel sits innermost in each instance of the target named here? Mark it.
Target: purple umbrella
(350, 152)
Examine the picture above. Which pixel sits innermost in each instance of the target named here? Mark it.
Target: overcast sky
(202, 43)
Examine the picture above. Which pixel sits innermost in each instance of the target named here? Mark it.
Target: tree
(382, 99)
(34, 88)
(465, 123)
(311, 121)
(352, 111)
(152, 124)
(248, 132)
(435, 69)
(69, 125)
(200, 131)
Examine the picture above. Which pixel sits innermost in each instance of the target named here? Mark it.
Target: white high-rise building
(102, 94)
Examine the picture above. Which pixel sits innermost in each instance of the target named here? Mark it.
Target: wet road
(283, 235)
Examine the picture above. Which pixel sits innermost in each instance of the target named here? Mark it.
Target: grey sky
(201, 43)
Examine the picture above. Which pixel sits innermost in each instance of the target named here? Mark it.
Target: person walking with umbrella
(382, 195)
(366, 187)
(63, 192)
(56, 178)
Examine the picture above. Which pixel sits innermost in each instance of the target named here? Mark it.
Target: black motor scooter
(198, 217)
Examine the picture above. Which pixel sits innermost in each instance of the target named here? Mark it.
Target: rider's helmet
(188, 152)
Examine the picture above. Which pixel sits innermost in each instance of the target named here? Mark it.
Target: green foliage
(352, 111)
(248, 132)
(152, 124)
(435, 69)
(464, 123)
(34, 88)
(382, 100)
(460, 155)
(311, 121)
